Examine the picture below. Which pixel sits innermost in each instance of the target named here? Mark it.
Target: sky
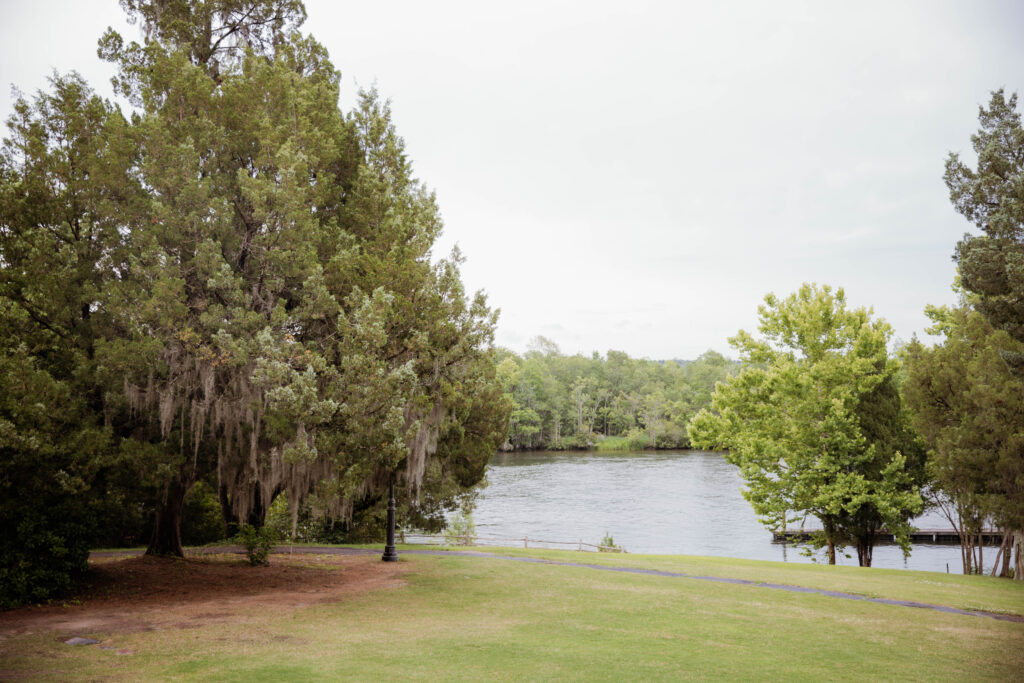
(637, 176)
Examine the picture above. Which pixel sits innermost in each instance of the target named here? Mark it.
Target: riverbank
(606, 444)
(458, 617)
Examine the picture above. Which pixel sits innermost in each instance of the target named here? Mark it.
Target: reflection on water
(678, 502)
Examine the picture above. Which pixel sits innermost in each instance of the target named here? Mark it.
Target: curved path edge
(331, 550)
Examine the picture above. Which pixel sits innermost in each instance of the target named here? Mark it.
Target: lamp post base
(390, 554)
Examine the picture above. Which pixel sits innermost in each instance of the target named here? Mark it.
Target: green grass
(472, 618)
(954, 590)
(613, 443)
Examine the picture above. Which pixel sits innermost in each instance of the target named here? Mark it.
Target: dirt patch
(148, 593)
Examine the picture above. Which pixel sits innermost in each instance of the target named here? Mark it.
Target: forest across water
(609, 403)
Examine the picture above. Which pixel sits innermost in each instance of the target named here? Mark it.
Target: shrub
(308, 528)
(637, 439)
(44, 551)
(672, 436)
(258, 543)
(608, 544)
(460, 529)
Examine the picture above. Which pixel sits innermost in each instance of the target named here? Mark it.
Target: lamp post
(390, 554)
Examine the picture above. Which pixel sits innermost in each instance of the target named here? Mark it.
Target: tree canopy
(815, 423)
(966, 391)
(235, 283)
(992, 198)
(968, 407)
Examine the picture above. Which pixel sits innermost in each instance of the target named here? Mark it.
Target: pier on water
(934, 536)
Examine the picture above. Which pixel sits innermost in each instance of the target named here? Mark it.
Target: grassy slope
(475, 618)
(954, 590)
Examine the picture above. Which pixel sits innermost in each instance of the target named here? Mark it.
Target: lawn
(318, 617)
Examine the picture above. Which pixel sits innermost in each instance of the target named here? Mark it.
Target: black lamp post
(390, 554)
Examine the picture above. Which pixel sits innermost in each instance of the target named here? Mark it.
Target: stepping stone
(80, 641)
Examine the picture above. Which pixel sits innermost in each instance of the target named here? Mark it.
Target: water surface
(676, 502)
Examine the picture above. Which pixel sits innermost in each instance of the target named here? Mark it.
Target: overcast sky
(637, 176)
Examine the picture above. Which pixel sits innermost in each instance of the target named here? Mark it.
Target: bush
(258, 543)
(460, 530)
(637, 439)
(44, 551)
(608, 544)
(672, 436)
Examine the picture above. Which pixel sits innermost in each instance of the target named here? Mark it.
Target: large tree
(815, 424)
(969, 407)
(286, 327)
(992, 197)
(235, 284)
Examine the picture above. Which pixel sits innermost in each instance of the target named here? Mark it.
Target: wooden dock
(929, 536)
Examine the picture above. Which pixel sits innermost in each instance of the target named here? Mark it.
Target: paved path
(330, 550)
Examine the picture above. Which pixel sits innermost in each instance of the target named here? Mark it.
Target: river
(671, 502)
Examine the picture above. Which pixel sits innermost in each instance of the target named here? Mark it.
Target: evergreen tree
(65, 188)
(236, 285)
(288, 329)
(992, 264)
(992, 197)
(968, 406)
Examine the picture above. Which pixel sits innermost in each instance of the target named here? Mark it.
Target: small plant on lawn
(257, 543)
(608, 544)
(460, 530)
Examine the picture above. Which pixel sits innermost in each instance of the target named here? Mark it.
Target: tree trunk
(1018, 552)
(166, 539)
(1004, 549)
(1007, 554)
(865, 548)
(965, 543)
(828, 530)
(230, 523)
(258, 515)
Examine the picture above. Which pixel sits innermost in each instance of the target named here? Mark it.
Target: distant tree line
(612, 401)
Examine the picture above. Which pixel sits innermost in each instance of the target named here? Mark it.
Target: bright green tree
(815, 424)
(524, 423)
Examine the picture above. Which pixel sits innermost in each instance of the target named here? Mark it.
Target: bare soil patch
(148, 593)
